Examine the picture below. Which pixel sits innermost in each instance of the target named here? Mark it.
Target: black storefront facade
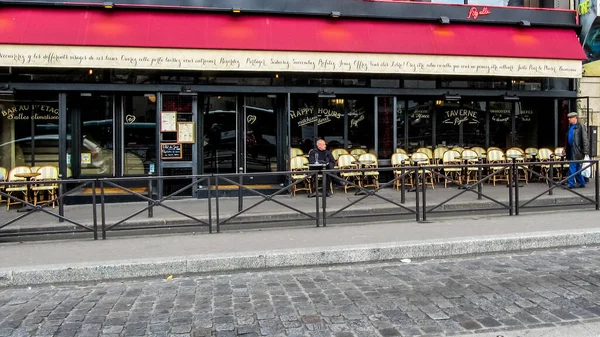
(137, 89)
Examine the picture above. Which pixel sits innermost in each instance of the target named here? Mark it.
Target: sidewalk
(43, 262)
(271, 214)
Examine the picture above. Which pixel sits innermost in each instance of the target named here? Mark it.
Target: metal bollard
(240, 191)
(61, 206)
(151, 196)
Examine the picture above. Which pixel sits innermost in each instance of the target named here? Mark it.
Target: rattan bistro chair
(397, 160)
(357, 152)
(471, 170)
(501, 172)
(521, 166)
(300, 164)
(336, 153)
(450, 158)
(422, 159)
(294, 152)
(46, 173)
(346, 163)
(17, 189)
(370, 178)
(3, 176)
(546, 155)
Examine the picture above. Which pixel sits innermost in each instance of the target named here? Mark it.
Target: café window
(139, 133)
(28, 130)
(90, 134)
(500, 124)
(420, 124)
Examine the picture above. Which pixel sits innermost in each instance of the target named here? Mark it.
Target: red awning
(197, 30)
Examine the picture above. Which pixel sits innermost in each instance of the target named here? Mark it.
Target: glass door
(220, 127)
(91, 138)
(260, 130)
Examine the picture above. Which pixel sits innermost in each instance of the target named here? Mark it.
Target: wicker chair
(17, 189)
(397, 160)
(46, 173)
(369, 160)
(299, 164)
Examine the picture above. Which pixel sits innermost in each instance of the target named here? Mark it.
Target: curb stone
(215, 263)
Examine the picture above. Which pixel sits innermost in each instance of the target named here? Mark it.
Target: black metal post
(217, 203)
(597, 185)
(151, 196)
(61, 206)
(417, 208)
(402, 186)
(424, 186)
(325, 191)
(240, 191)
(551, 178)
(516, 183)
(510, 191)
(316, 180)
(94, 210)
(209, 205)
(479, 177)
(102, 210)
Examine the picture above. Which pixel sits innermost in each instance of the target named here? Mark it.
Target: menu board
(185, 132)
(168, 121)
(170, 151)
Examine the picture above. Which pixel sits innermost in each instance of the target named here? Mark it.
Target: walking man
(577, 146)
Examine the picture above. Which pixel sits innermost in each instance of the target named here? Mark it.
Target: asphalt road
(500, 295)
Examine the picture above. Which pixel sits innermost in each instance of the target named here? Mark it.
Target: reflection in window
(330, 121)
(302, 122)
(419, 124)
(535, 123)
(385, 127)
(360, 122)
(139, 134)
(220, 113)
(472, 130)
(261, 134)
(96, 143)
(28, 130)
(400, 123)
(500, 124)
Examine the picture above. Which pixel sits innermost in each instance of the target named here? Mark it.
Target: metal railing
(28, 208)
(237, 180)
(152, 203)
(248, 205)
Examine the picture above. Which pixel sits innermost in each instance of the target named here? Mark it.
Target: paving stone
(451, 296)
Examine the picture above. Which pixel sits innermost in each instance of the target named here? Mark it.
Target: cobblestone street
(421, 298)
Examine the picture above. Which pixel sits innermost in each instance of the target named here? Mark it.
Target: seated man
(321, 155)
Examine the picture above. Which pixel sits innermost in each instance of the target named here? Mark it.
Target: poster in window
(185, 132)
(168, 121)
